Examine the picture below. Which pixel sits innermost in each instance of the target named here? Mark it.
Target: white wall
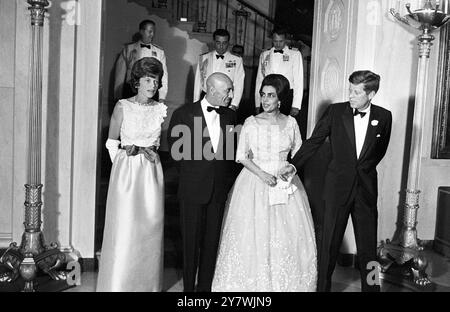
(7, 109)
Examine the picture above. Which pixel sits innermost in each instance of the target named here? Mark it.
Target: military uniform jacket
(129, 55)
(230, 65)
(289, 64)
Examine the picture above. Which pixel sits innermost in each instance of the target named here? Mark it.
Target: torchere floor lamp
(406, 253)
(33, 255)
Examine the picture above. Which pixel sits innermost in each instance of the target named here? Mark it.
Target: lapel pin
(374, 123)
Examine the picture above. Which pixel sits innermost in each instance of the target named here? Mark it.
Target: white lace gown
(267, 241)
(132, 249)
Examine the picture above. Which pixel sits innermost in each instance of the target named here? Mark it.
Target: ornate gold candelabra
(406, 251)
(33, 255)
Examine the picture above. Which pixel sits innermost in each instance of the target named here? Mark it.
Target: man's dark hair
(281, 85)
(370, 80)
(146, 67)
(144, 24)
(280, 31)
(222, 33)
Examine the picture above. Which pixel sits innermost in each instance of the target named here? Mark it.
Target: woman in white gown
(132, 249)
(267, 241)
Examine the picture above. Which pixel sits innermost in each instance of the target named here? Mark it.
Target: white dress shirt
(361, 124)
(213, 124)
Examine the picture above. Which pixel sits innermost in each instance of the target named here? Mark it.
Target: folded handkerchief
(279, 194)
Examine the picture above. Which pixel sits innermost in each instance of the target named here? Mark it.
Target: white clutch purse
(279, 194)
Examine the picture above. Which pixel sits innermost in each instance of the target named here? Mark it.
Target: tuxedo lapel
(347, 118)
(371, 131)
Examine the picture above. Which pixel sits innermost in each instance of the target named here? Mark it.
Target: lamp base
(25, 261)
(404, 266)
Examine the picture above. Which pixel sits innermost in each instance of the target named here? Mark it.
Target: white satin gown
(267, 241)
(132, 249)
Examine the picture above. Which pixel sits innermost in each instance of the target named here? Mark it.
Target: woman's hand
(268, 178)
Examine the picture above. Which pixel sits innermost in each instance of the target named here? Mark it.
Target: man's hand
(233, 107)
(294, 111)
(163, 101)
(286, 172)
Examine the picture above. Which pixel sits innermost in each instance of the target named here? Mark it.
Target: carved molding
(330, 78)
(5, 239)
(333, 20)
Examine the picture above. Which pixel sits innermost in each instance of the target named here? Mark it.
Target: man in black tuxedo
(359, 134)
(205, 154)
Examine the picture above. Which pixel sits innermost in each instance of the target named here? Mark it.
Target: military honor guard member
(134, 52)
(281, 59)
(223, 61)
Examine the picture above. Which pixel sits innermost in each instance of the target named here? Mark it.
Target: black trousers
(365, 222)
(200, 228)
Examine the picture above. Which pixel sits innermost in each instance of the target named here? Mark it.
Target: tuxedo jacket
(129, 55)
(346, 173)
(200, 176)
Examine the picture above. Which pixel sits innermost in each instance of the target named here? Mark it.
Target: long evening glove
(113, 148)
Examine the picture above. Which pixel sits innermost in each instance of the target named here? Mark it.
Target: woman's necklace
(149, 103)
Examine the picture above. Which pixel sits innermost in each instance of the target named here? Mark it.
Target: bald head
(217, 79)
(219, 89)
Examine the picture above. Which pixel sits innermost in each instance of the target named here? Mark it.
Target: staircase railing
(249, 26)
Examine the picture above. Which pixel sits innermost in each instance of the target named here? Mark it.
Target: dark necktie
(278, 51)
(357, 112)
(148, 46)
(220, 56)
(218, 110)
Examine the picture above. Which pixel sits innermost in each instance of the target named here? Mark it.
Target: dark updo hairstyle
(146, 67)
(370, 80)
(281, 85)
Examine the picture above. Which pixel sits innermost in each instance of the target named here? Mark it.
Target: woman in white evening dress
(267, 241)
(132, 249)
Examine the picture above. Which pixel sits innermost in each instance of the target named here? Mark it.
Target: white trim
(85, 132)
(5, 240)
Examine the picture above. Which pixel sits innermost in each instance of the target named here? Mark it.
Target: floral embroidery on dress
(141, 124)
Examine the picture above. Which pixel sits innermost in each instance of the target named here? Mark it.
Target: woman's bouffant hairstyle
(281, 85)
(146, 67)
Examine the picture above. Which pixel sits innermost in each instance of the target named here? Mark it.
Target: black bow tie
(220, 56)
(148, 46)
(357, 112)
(278, 51)
(219, 110)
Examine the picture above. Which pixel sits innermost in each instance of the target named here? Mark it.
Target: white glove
(113, 148)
